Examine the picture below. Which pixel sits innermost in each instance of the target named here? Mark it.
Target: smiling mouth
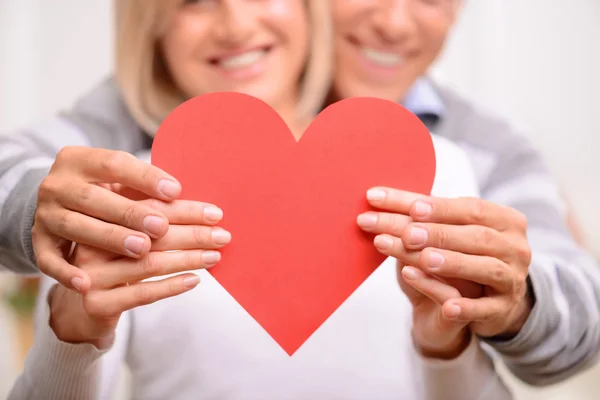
(379, 58)
(241, 60)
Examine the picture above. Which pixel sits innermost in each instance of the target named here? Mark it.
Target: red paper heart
(296, 253)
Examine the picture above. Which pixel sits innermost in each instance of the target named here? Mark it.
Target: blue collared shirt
(423, 100)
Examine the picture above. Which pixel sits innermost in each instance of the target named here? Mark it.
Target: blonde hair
(146, 84)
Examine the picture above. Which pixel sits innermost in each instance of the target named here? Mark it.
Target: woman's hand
(75, 204)
(434, 335)
(464, 239)
(118, 282)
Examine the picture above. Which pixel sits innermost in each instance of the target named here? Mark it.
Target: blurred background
(535, 61)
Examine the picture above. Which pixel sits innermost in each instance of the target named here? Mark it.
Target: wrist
(68, 324)
(448, 351)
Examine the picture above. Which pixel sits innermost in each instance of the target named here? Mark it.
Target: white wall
(536, 61)
(50, 53)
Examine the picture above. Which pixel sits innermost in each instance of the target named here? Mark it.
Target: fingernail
(422, 209)
(383, 242)
(153, 225)
(210, 258)
(410, 273)
(375, 194)
(168, 188)
(221, 236)
(367, 220)
(454, 311)
(77, 282)
(191, 281)
(134, 244)
(418, 236)
(213, 214)
(435, 260)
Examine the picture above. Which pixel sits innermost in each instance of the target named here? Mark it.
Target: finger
(475, 310)
(52, 263)
(188, 237)
(414, 296)
(103, 204)
(185, 212)
(116, 301)
(470, 239)
(103, 165)
(484, 270)
(155, 264)
(393, 200)
(381, 222)
(437, 291)
(86, 230)
(404, 256)
(467, 211)
(84, 255)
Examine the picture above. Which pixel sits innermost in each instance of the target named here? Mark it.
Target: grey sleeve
(56, 370)
(562, 335)
(25, 159)
(99, 119)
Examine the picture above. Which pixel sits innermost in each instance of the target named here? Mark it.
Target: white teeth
(242, 60)
(381, 58)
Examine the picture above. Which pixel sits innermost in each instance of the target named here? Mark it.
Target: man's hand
(458, 240)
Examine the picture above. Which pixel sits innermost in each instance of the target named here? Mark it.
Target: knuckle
(199, 236)
(93, 304)
(500, 275)
(385, 221)
(173, 288)
(110, 238)
(144, 295)
(129, 215)
(151, 264)
(478, 210)
(65, 154)
(440, 235)
(155, 204)
(523, 253)
(456, 266)
(191, 259)
(84, 195)
(114, 163)
(47, 188)
(443, 208)
(485, 236)
(66, 223)
(146, 171)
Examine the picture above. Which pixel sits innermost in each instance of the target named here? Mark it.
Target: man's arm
(562, 334)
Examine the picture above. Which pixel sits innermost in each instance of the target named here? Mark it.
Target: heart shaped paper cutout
(296, 253)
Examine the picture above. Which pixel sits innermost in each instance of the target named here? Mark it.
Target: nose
(394, 20)
(236, 22)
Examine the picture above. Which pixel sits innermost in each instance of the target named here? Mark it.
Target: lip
(244, 73)
(236, 52)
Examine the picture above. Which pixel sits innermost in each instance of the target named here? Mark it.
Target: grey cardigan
(560, 338)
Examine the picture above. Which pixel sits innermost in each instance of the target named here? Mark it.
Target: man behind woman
(382, 49)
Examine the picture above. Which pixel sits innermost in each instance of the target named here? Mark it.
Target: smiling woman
(262, 48)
